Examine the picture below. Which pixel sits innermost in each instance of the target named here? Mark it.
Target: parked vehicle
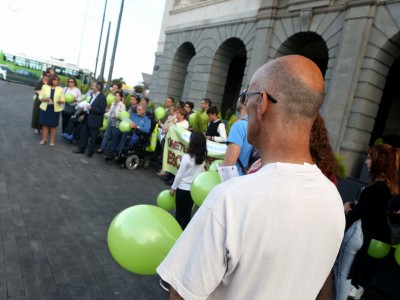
(3, 74)
(20, 76)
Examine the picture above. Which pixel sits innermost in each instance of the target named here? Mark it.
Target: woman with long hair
(52, 97)
(69, 108)
(192, 164)
(366, 220)
(35, 111)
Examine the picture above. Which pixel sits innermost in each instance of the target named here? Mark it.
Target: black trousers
(184, 205)
(85, 133)
(65, 119)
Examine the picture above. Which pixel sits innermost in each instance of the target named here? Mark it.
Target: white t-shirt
(273, 234)
(187, 172)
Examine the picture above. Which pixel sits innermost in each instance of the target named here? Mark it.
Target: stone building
(211, 48)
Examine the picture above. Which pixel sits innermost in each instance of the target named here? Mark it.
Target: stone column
(340, 97)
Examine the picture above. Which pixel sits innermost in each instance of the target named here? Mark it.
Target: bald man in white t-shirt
(273, 234)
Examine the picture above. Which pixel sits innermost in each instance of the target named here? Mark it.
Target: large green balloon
(397, 255)
(124, 115)
(202, 185)
(125, 126)
(110, 99)
(166, 201)
(213, 166)
(140, 237)
(192, 119)
(378, 249)
(159, 113)
(88, 99)
(105, 124)
(83, 97)
(69, 98)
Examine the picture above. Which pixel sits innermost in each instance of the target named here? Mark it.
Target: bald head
(295, 81)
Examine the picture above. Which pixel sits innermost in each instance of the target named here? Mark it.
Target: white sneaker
(356, 293)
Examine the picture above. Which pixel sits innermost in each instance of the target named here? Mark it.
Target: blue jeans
(352, 242)
(106, 137)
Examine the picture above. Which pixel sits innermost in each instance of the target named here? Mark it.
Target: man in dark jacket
(93, 120)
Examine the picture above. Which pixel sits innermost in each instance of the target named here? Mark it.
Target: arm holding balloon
(173, 294)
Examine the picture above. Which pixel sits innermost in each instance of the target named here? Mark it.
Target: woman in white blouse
(69, 108)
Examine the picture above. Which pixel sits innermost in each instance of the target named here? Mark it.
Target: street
(55, 209)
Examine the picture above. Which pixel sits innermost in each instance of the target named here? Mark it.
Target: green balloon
(83, 97)
(397, 255)
(125, 126)
(105, 124)
(69, 98)
(34, 97)
(166, 201)
(88, 99)
(124, 115)
(378, 249)
(192, 119)
(159, 113)
(140, 237)
(202, 185)
(110, 99)
(213, 166)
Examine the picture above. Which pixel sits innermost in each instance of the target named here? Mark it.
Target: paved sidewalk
(55, 209)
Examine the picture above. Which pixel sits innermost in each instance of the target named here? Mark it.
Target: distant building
(211, 48)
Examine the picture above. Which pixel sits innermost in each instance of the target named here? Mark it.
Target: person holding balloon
(116, 108)
(366, 220)
(69, 108)
(192, 164)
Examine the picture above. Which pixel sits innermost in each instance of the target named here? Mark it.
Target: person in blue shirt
(140, 123)
(239, 148)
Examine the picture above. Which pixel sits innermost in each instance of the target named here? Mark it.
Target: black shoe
(169, 182)
(164, 285)
(78, 151)
(165, 177)
(89, 154)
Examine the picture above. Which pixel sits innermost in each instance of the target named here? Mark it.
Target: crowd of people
(283, 214)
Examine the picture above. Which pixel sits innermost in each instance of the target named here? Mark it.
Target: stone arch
(308, 44)
(180, 75)
(387, 111)
(227, 72)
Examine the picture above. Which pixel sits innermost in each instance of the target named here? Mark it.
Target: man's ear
(263, 105)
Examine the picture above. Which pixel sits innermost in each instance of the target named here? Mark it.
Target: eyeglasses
(70, 81)
(46, 75)
(243, 96)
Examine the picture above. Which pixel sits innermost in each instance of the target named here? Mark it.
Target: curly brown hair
(321, 151)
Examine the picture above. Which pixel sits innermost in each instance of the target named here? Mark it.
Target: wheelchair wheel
(146, 164)
(132, 162)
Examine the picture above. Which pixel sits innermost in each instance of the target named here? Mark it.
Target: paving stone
(54, 223)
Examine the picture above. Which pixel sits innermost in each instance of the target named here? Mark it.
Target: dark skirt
(49, 117)
(35, 114)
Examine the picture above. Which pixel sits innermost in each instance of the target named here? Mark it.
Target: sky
(70, 29)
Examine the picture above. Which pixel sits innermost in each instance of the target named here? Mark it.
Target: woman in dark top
(366, 220)
(35, 111)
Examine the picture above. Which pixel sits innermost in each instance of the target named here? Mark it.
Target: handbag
(394, 219)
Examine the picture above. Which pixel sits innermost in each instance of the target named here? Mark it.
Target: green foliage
(84, 88)
(152, 105)
(228, 114)
(219, 116)
(138, 89)
(342, 172)
(200, 124)
(127, 101)
(231, 120)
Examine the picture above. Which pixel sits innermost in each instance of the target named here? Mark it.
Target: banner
(176, 145)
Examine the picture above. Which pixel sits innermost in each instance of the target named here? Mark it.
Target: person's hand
(208, 137)
(347, 207)
(171, 192)
(133, 125)
(89, 107)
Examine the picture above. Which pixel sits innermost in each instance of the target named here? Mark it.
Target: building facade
(211, 48)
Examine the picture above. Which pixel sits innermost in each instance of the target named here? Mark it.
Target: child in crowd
(192, 164)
